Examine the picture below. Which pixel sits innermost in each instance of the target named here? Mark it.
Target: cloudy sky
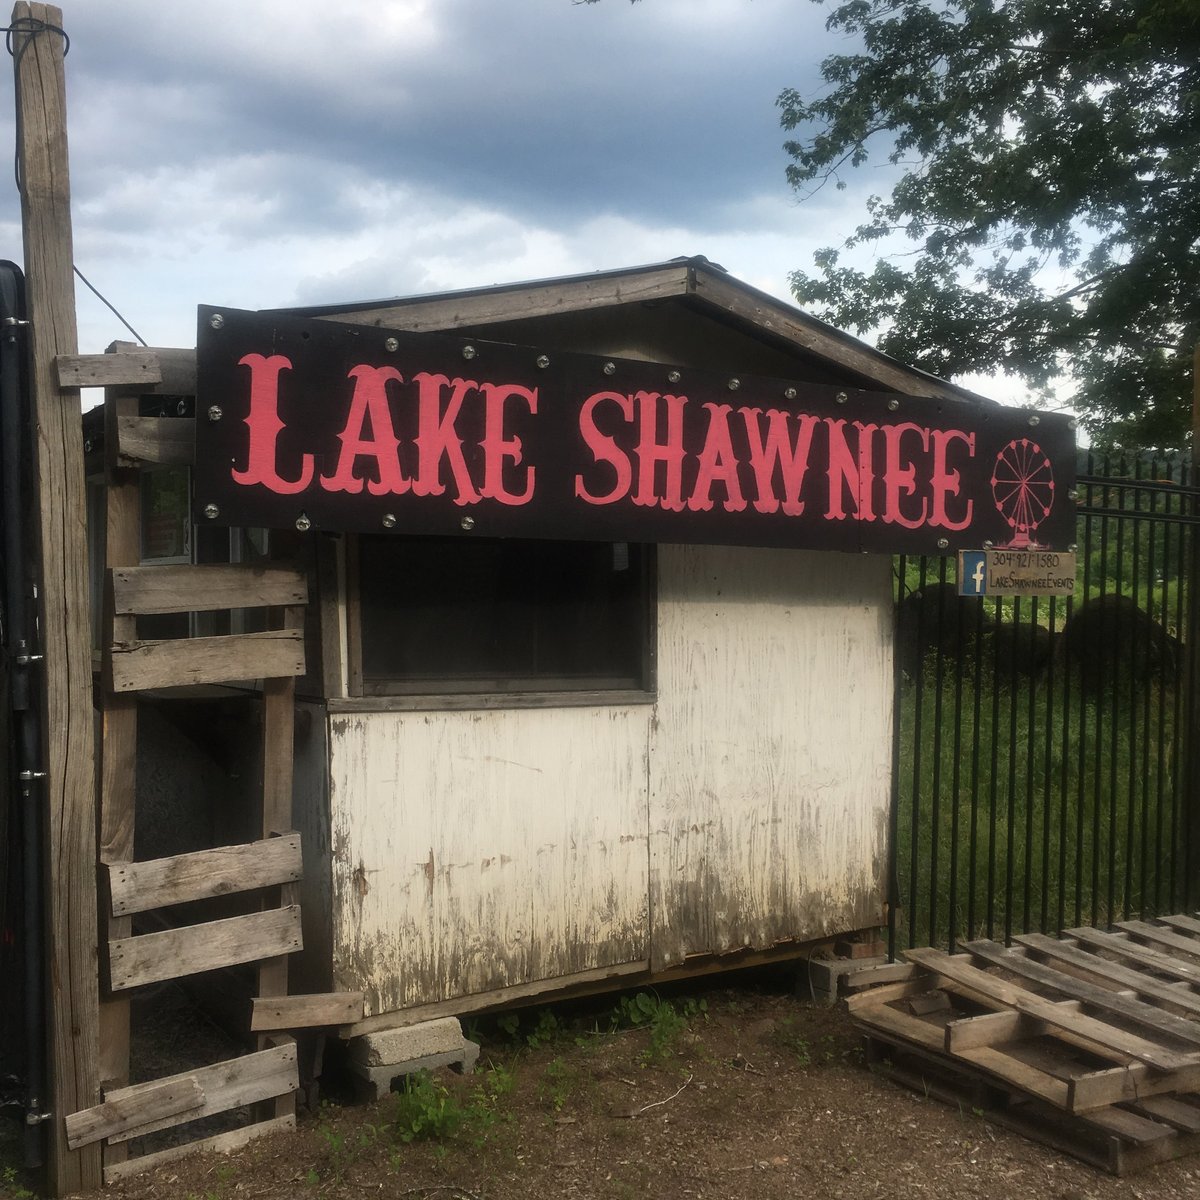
(260, 153)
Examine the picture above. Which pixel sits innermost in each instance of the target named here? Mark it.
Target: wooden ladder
(268, 1078)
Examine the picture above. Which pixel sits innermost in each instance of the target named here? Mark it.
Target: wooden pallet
(264, 874)
(1089, 1042)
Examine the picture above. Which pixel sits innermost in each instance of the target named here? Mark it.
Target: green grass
(1062, 801)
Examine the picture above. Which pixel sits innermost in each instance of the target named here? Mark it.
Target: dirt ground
(745, 1092)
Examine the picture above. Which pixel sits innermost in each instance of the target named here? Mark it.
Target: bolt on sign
(321, 425)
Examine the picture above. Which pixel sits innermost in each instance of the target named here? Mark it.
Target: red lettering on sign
(497, 448)
(947, 482)
(264, 424)
(718, 464)
(778, 451)
(650, 451)
(604, 448)
(437, 438)
(369, 405)
(847, 471)
(900, 479)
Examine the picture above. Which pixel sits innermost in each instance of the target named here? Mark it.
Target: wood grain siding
(770, 757)
(483, 850)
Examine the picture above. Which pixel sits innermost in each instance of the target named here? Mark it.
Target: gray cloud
(264, 152)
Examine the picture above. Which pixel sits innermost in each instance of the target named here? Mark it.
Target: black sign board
(322, 425)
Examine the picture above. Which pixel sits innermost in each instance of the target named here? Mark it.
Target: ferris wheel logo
(1023, 489)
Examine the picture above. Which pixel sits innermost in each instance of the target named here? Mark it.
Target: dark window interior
(444, 615)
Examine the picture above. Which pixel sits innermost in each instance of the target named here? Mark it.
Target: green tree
(1046, 157)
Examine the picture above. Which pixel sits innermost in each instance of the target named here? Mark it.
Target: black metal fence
(1042, 778)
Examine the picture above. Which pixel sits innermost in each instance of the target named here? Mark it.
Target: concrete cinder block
(824, 974)
(377, 1081)
(408, 1043)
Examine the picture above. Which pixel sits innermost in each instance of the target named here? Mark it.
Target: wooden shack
(535, 762)
(459, 651)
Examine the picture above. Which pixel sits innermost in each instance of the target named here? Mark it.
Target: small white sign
(1016, 572)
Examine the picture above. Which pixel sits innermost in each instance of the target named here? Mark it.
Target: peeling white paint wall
(770, 763)
(473, 851)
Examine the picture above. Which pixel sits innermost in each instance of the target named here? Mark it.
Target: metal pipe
(21, 654)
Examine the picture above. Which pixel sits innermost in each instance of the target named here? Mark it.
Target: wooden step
(142, 591)
(184, 662)
(191, 949)
(135, 887)
(179, 1097)
(236, 1083)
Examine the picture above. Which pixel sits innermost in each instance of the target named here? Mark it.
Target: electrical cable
(96, 291)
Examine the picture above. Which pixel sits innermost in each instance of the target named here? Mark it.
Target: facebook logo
(972, 573)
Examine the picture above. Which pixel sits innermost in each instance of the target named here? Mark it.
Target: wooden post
(1191, 799)
(60, 504)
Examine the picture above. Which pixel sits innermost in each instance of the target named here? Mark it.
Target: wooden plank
(177, 364)
(139, 1106)
(331, 590)
(1147, 1015)
(1103, 968)
(270, 1013)
(996, 1028)
(67, 793)
(1177, 942)
(871, 977)
(768, 314)
(1176, 1113)
(1181, 922)
(1117, 1084)
(1128, 1126)
(165, 441)
(175, 953)
(915, 985)
(118, 747)
(279, 729)
(1128, 949)
(225, 1085)
(489, 305)
(1105, 1038)
(136, 666)
(205, 588)
(223, 1143)
(108, 370)
(138, 886)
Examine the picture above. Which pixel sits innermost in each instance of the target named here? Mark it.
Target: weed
(789, 1038)
(11, 1186)
(547, 1030)
(334, 1140)
(558, 1082)
(498, 1081)
(665, 1023)
(426, 1109)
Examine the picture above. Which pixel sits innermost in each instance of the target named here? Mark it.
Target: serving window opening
(445, 616)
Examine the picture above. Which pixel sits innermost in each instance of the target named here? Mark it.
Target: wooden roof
(685, 311)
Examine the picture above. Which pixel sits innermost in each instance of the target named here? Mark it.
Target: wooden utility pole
(72, 994)
(1191, 804)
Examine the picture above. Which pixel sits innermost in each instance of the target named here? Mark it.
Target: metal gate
(1041, 774)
